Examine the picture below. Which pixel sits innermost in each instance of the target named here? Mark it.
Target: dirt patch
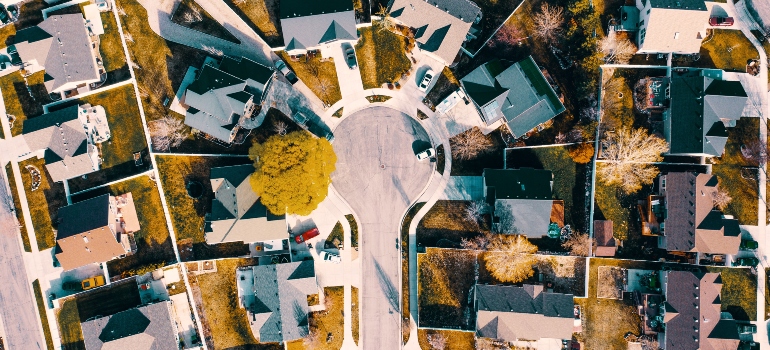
(610, 283)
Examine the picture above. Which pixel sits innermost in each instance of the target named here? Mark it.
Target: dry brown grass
(323, 323)
(264, 15)
(455, 340)
(445, 278)
(610, 283)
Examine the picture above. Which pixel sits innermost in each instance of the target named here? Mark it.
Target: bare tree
(128, 36)
(386, 21)
(508, 35)
(627, 159)
(480, 242)
(193, 15)
(548, 23)
(755, 152)
(475, 211)
(615, 49)
(321, 82)
(470, 144)
(509, 258)
(281, 128)
(578, 244)
(437, 341)
(721, 197)
(167, 132)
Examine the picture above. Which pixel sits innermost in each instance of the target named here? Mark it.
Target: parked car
(284, 69)
(426, 154)
(92, 282)
(721, 21)
(350, 55)
(746, 262)
(72, 286)
(327, 256)
(306, 235)
(748, 244)
(747, 328)
(426, 80)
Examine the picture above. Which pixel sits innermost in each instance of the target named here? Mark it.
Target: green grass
(353, 230)
(41, 307)
(11, 100)
(39, 204)
(354, 309)
(319, 76)
(69, 326)
(326, 322)
(381, 57)
(739, 292)
(110, 44)
(728, 168)
(17, 205)
(455, 340)
(729, 49)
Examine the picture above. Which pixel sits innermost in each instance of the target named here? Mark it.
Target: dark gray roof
(47, 120)
(235, 173)
(302, 8)
(281, 292)
(528, 299)
(524, 183)
(679, 4)
(245, 68)
(680, 204)
(306, 24)
(148, 327)
(83, 216)
(462, 9)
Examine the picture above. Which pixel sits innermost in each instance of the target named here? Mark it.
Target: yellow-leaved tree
(293, 172)
(509, 257)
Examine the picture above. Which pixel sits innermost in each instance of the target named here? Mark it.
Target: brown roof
(93, 246)
(605, 242)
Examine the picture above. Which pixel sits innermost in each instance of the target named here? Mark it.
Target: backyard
(381, 56)
(18, 211)
(187, 214)
(189, 14)
(728, 49)
(325, 325)
(263, 16)
(69, 326)
(111, 46)
(445, 279)
(44, 202)
(41, 307)
(319, 75)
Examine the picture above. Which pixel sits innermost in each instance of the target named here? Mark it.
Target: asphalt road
(379, 176)
(17, 306)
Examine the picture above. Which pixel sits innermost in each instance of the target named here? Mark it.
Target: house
(521, 200)
(96, 230)
(605, 245)
(692, 313)
(237, 214)
(683, 217)
(65, 47)
(512, 313)
(677, 26)
(148, 327)
(277, 305)
(308, 24)
(518, 94)
(67, 140)
(701, 109)
(224, 94)
(441, 27)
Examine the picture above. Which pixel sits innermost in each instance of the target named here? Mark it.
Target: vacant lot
(446, 224)
(381, 57)
(187, 214)
(446, 277)
(44, 202)
(69, 326)
(319, 76)
(325, 323)
(728, 49)
(18, 211)
(737, 174)
(739, 292)
(263, 16)
(41, 307)
(108, 300)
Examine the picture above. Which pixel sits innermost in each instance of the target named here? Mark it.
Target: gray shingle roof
(281, 292)
(148, 327)
(83, 216)
(303, 8)
(303, 32)
(524, 183)
(679, 4)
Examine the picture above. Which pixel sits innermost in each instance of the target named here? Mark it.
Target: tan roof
(127, 213)
(94, 246)
(512, 326)
(675, 30)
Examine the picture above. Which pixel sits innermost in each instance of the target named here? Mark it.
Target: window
(676, 35)
(490, 110)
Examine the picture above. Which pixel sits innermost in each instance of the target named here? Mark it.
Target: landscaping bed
(44, 202)
(41, 307)
(319, 75)
(189, 14)
(18, 211)
(446, 279)
(154, 247)
(263, 16)
(353, 229)
(108, 300)
(69, 326)
(381, 56)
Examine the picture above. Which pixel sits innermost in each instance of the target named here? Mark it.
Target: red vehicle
(721, 21)
(307, 235)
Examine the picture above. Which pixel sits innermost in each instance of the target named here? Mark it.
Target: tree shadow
(388, 288)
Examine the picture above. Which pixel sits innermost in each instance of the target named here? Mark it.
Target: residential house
(237, 214)
(96, 230)
(67, 140)
(521, 200)
(702, 107)
(441, 27)
(147, 327)
(512, 313)
(224, 94)
(518, 94)
(277, 305)
(308, 24)
(604, 241)
(677, 26)
(683, 217)
(66, 47)
(692, 313)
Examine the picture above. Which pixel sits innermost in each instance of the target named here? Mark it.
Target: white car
(326, 256)
(426, 80)
(426, 154)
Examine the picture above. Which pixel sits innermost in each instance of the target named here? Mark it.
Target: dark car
(746, 262)
(747, 328)
(350, 55)
(721, 21)
(307, 235)
(72, 286)
(284, 69)
(747, 244)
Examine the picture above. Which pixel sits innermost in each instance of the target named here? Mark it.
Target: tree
(509, 258)
(582, 153)
(192, 15)
(508, 35)
(167, 132)
(615, 49)
(721, 197)
(470, 144)
(437, 341)
(548, 23)
(321, 82)
(578, 244)
(293, 172)
(386, 21)
(281, 128)
(627, 157)
(479, 242)
(475, 211)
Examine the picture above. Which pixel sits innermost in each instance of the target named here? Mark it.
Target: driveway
(349, 79)
(379, 176)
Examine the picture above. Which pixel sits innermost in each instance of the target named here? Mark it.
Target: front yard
(44, 202)
(41, 307)
(10, 85)
(325, 325)
(739, 292)
(69, 326)
(320, 76)
(264, 18)
(381, 56)
(187, 214)
(445, 281)
(18, 211)
(737, 174)
(728, 49)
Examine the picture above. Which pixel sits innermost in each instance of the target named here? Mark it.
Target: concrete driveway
(379, 176)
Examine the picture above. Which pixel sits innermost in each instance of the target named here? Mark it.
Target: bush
(582, 153)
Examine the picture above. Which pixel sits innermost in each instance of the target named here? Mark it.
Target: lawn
(405, 311)
(492, 157)
(455, 340)
(739, 292)
(354, 310)
(320, 76)
(187, 214)
(263, 17)
(154, 248)
(69, 326)
(6, 33)
(9, 85)
(225, 325)
(731, 168)
(41, 306)
(381, 57)
(326, 322)
(110, 44)
(108, 300)
(728, 49)
(206, 24)
(446, 277)
(44, 203)
(446, 224)
(18, 211)
(767, 293)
